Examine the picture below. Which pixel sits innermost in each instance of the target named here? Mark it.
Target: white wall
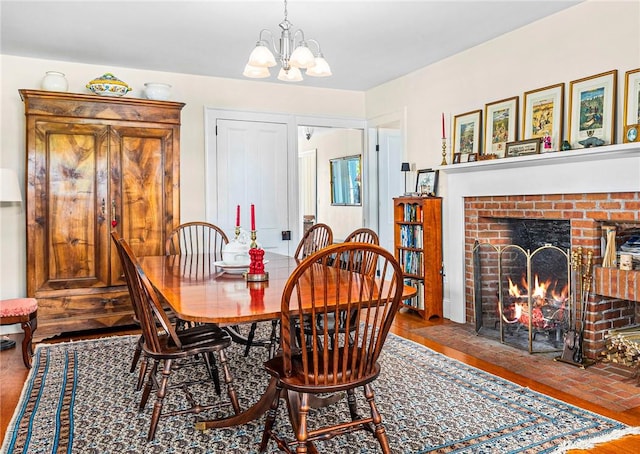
(587, 39)
(330, 144)
(196, 91)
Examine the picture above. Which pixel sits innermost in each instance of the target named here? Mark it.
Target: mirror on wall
(346, 180)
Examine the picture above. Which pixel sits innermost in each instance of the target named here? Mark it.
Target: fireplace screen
(521, 297)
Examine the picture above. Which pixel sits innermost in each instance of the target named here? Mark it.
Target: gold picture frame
(543, 115)
(467, 134)
(501, 125)
(592, 110)
(631, 97)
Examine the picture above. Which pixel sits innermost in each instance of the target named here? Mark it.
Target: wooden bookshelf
(418, 249)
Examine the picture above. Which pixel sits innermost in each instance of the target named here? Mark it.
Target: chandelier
(292, 56)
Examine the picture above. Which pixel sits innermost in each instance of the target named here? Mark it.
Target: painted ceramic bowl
(108, 85)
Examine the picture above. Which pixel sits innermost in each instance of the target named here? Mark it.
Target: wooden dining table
(199, 289)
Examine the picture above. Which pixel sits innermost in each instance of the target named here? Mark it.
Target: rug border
(11, 427)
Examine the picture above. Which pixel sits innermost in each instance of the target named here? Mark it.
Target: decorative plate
(234, 269)
(108, 85)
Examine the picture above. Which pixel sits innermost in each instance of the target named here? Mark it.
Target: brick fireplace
(588, 188)
(612, 304)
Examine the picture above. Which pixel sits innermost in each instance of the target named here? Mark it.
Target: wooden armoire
(95, 163)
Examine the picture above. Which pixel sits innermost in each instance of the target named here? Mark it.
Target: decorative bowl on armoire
(108, 85)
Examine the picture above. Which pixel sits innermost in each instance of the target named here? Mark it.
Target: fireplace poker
(586, 288)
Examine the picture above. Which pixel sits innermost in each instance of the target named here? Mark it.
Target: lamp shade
(293, 74)
(9, 187)
(302, 57)
(405, 167)
(320, 69)
(261, 57)
(256, 72)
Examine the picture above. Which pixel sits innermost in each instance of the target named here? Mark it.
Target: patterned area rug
(81, 398)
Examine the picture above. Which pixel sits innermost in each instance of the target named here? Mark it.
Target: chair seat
(296, 381)
(191, 345)
(17, 307)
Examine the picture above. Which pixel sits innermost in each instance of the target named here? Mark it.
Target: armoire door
(69, 236)
(141, 197)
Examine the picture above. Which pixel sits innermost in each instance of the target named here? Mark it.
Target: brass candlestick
(237, 232)
(444, 152)
(253, 244)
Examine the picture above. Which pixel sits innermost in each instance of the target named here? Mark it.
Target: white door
(389, 181)
(251, 168)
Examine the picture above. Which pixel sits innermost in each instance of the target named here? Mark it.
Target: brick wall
(587, 213)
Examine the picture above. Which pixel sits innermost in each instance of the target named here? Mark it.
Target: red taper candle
(253, 217)
(443, 136)
(238, 216)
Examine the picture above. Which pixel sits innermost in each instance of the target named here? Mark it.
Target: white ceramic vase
(54, 81)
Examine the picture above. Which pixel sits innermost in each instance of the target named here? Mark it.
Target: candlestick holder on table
(256, 271)
(237, 232)
(444, 152)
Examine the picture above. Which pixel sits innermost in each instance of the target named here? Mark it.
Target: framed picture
(543, 114)
(523, 147)
(466, 134)
(456, 158)
(473, 157)
(631, 133)
(427, 182)
(501, 125)
(592, 110)
(632, 97)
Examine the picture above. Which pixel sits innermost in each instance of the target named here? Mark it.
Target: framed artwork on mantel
(501, 125)
(632, 97)
(543, 113)
(592, 110)
(466, 135)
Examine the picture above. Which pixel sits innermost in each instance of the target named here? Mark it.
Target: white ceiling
(365, 42)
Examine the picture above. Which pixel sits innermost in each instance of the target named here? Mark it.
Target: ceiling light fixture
(293, 56)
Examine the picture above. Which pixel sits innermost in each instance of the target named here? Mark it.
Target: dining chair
(166, 348)
(364, 235)
(318, 289)
(196, 238)
(318, 236)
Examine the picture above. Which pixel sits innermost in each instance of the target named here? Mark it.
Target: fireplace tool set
(581, 271)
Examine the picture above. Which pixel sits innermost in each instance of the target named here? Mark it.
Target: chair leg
(136, 356)
(379, 432)
(157, 406)
(228, 379)
(271, 418)
(143, 372)
(148, 387)
(212, 368)
(252, 333)
(27, 347)
(353, 407)
(302, 433)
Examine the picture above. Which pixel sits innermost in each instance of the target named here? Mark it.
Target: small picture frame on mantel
(427, 182)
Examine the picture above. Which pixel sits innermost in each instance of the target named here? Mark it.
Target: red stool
(25, 312)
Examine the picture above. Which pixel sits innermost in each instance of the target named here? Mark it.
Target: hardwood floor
(13, 374)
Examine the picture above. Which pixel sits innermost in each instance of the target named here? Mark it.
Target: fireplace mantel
(613, 168)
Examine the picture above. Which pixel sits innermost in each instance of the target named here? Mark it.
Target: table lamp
(405, 168)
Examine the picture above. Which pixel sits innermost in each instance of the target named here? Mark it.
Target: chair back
(196, 238)
(317, 237)
(318, 290)
(146, 304)
(364, 235)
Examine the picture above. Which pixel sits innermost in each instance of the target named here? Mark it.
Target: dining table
(198, 288)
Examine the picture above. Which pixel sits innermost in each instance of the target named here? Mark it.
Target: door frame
(211, 115)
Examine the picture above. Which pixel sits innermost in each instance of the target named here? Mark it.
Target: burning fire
(548, 303)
